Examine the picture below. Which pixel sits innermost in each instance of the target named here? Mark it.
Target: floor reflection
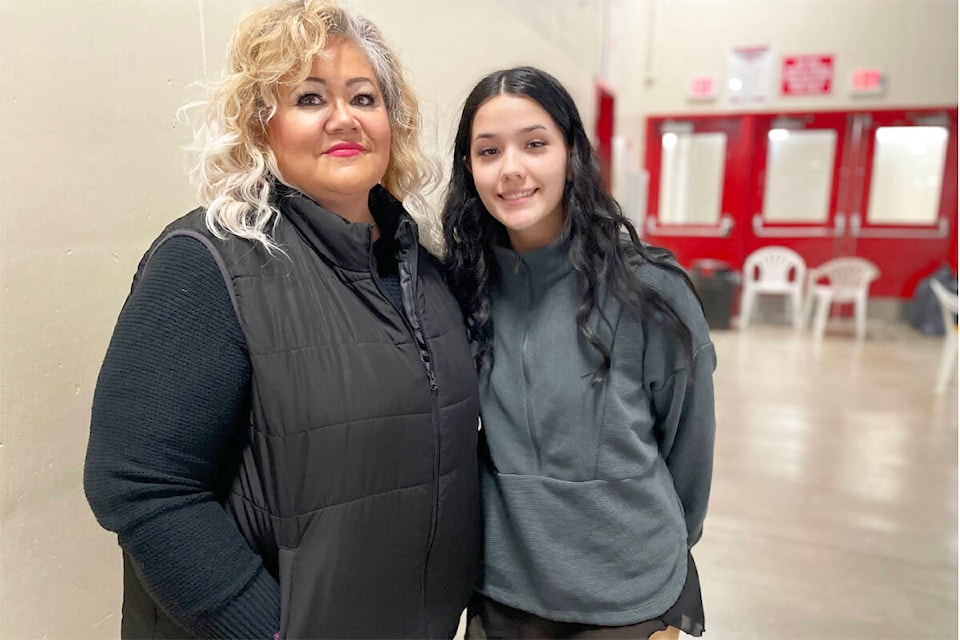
(834, 507)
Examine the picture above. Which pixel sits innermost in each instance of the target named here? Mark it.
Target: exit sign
(866, 82)
(702, 88)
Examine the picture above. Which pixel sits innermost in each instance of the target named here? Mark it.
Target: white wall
(90, 171)
(664, 43)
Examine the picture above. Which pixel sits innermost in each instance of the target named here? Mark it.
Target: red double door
(881, 185)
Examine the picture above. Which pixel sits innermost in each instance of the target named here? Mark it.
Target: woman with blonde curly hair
(284, 429)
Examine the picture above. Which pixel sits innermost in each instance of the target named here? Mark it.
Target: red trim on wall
(604, 131)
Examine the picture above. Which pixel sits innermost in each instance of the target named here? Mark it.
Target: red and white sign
(702, 88)
(867, 82)
(807, 75)
(749, 75)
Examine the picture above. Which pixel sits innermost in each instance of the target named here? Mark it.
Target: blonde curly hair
(235, 167)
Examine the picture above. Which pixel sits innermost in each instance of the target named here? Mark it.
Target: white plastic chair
(948, 308)
(768, 271)
(848, 281)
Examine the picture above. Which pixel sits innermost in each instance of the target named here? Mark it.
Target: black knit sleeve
(170, 404)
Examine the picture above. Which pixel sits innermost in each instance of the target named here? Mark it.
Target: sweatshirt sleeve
(683, 404)
(169, 411)
(686, 425)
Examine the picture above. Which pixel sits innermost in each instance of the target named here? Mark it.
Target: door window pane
(691, 177)
(799, 175)
(907, 175)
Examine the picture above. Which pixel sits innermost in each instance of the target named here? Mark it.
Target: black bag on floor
(923, 310)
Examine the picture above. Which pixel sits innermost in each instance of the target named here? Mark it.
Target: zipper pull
(517, 264)
(428, 366)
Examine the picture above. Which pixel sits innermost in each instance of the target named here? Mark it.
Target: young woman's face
(331, 133)
(519, 162)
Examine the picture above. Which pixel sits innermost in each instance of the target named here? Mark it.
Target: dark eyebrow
(529, 129)
(350, 82)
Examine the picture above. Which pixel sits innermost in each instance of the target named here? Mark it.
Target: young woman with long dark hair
(595, 380)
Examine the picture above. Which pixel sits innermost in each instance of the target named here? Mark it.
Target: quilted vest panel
(358, 484)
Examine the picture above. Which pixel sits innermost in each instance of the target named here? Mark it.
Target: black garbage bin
(716, 283)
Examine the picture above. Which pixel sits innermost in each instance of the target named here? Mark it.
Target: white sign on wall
(749, 71)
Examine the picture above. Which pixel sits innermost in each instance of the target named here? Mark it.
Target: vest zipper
(427, 360)
(411, 317)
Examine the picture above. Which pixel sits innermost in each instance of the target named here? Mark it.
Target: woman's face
(519, 162)
(331, 133)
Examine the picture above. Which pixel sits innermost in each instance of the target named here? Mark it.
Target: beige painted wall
(90, 171)
(663, 43)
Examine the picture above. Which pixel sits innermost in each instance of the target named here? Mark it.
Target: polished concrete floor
(834, 505)
(833, 513)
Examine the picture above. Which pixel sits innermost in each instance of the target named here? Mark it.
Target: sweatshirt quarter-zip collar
(537, 269)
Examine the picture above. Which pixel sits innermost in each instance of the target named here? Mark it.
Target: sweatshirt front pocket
(611, 548)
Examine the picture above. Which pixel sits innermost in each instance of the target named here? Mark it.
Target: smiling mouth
(344, 150)
(517, 195)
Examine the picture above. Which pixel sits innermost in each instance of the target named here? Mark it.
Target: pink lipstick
(344, 149)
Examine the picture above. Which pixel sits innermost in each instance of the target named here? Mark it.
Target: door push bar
(721, 231)
(761, 231)
(857, 230)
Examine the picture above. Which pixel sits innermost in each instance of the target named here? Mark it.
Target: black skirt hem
(489, 619)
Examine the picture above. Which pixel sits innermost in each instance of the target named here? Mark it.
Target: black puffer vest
(359, 484)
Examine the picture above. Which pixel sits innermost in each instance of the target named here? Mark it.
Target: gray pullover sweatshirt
(592, 494)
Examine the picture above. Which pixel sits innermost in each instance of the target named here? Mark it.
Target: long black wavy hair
(593, 222)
